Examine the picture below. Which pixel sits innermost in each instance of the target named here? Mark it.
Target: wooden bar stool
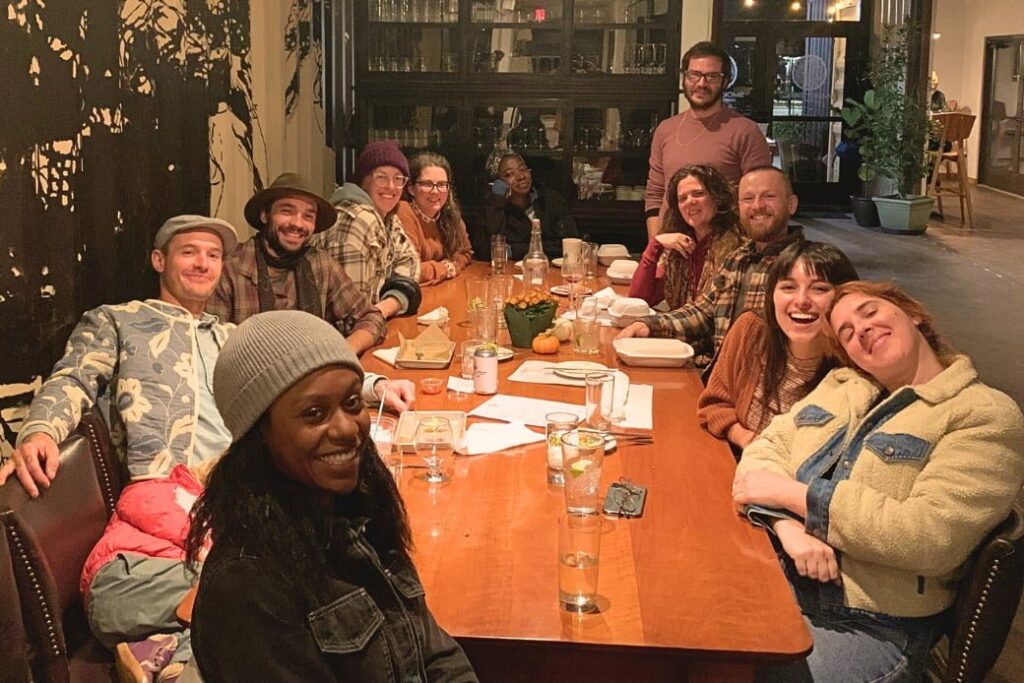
(954, 128)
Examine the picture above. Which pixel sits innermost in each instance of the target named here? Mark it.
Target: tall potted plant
(891, 126)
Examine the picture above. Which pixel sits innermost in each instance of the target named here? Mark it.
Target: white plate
(577, 369)
(563, 290)
(654, 353)
(505, 354)
(556, 262)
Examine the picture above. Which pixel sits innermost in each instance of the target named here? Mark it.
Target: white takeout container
(621, 271)
(653, 353)
(607, 253)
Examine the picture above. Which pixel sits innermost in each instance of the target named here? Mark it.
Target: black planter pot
(865, 212)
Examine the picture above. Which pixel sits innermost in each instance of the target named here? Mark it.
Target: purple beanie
(376, 154)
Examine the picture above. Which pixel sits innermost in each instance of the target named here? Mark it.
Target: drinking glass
(586, 330)
(467, 348)
(382, 430)
(499, 254)
(501, 289)
(485, 320)
(435, 445)
(579, 549)
(476, 295)
(572, 274)
(557, 425)
(582, 456)
(589, 252)
(600, 392)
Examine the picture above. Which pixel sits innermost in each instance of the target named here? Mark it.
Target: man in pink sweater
(706, 133)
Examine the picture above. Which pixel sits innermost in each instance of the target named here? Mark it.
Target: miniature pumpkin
(545, 343)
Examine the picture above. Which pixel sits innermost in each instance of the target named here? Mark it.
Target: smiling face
(290, 224)
(384, 185)
(701, 94)
(189, 268)
(766, 205)
(430, 199)
(315, 429)
(695, 204)
(879, 337)
(516, 175)
(800, 300)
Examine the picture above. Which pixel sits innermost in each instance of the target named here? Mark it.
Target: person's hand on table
(398, 394)
(770, 489)
(677, 241)
(637, 329)
(811, 557)
(35, 463)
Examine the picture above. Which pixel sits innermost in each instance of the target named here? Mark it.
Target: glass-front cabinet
(574, 86)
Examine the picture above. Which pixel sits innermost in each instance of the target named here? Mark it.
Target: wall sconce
(748, 3)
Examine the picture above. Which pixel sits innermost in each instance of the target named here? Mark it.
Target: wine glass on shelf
(435, 445)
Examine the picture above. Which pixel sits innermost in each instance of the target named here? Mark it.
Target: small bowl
(431, 385)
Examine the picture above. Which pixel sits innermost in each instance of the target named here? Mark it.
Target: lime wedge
(580, 466)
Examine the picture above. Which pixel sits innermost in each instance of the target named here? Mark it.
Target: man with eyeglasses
(367, 239)
(707, 133)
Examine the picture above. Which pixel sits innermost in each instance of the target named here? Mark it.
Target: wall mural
(104, 133)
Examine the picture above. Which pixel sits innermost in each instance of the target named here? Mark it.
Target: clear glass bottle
(535, 263)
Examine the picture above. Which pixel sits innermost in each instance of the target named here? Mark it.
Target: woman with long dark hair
(309, 578)
(700, 230)
(431, 217)
(771, 359)
(879, 485)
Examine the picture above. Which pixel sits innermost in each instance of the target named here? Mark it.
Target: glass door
(1002, 153)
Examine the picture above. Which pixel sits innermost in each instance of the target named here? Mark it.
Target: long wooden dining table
(688, 591)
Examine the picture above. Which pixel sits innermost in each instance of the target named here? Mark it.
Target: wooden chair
(954, 129)
(985, 607)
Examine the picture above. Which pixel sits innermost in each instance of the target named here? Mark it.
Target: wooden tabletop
(690, 581)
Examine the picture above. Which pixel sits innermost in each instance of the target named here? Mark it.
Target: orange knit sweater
(730, 389)
(427, 240)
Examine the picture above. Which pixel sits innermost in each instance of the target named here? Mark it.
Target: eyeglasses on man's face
(430, 186)
(712, 77)
(384, 180)
(513, 172)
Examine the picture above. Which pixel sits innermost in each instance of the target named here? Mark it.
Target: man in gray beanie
(368, 239)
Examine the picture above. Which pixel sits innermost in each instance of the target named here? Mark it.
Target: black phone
(625, 499)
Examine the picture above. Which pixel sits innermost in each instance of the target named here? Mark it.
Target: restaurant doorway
(795, 63)
(1002, 121)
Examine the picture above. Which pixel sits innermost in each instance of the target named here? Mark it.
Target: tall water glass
(589, 251)
(485, 320)
(572, 274)
(582, 457)
(467, 349)
(501, 289)
(579, 550)
(586, 332)
(600, 394)
(499, 254)
(556, 426)
(382, 430)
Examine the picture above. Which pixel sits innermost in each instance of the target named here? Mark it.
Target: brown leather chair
(47, 540)
(986, 604)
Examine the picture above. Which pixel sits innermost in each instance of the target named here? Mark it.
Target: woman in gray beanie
(310, 577)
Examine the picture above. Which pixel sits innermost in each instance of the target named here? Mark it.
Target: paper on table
(489, 437)
(639, 408)
(460, 384)
(530, 411)
(542, 372)
(389, 356)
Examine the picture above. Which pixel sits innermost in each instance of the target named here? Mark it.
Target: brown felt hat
(289, 185)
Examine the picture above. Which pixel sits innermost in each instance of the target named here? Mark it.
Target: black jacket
(368, 620)
(502, 217)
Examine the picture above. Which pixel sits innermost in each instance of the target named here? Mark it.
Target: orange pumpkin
(545, 344)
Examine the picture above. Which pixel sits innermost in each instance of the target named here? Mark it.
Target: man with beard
(766, 202)
(278, 269)
(706, 133)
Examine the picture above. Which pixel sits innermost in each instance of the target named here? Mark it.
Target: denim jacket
(903, 486)
(368, 622)
(143, 354)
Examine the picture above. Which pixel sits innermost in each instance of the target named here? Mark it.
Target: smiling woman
(311, 541)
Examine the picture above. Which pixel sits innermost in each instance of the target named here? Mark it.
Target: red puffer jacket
(151, 519)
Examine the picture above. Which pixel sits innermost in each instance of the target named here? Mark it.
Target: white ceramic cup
(571, 247)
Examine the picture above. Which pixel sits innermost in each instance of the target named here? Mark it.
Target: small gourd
(545, 343)
(562, 330)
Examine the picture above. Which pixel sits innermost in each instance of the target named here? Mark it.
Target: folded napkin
(490, 437)
(605, 297)
(437, 316)
(389, 356)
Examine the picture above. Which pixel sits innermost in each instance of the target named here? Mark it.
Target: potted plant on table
(891, 127)
(528, 315)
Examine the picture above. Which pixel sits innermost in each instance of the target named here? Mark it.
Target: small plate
(578, 369)
(556, 262)
(505, 354)
(563, 290)
(610, 444)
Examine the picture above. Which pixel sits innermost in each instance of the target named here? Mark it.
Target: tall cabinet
(574, 86)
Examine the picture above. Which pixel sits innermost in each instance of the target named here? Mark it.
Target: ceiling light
(795, 6)
(748, 3)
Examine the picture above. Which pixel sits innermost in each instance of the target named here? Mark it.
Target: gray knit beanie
(267, 354)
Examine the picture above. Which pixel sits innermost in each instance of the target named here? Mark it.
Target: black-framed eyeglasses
(712, 77)
(428, 186)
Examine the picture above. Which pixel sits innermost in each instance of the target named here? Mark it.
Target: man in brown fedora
(278, 269)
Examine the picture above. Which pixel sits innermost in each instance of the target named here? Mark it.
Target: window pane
(511, 12)
(620, 51)
(619, 11)
(806, 150)
(743, 50)
(517, 51)
(809, 78)
(412, 49)
(791, 10)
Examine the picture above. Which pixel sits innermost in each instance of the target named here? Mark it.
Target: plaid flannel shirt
(371, 249)
(705, 321)
(237, 295)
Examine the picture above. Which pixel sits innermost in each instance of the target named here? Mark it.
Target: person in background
(707, 133)
(879, 485)
(278, 268)
(937, 101)
(766, 203)
(771, 360)
(700, 231)
(367, 239)
(433, 221)
(310, 576)
(515, 200)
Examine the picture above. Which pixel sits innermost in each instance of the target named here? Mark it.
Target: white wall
(959, 55)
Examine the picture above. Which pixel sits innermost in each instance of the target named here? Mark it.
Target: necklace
(711, 119)
(423, 216)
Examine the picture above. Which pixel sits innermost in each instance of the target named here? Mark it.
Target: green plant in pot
(891, 127)
(528, 315)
